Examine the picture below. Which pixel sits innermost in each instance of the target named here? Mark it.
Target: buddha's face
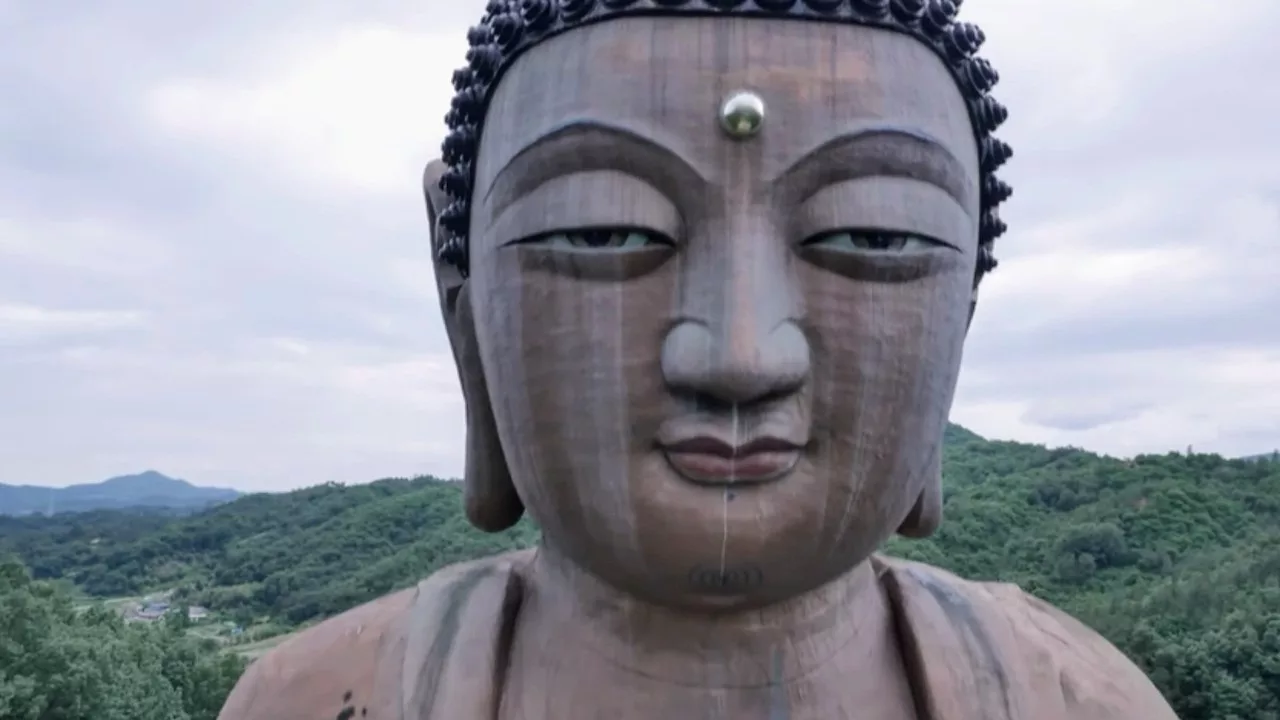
(721, 366)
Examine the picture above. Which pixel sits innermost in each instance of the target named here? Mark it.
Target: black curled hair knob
(453, 219)
(986, 260)
(463, 78)
(962, 40)
(976, 75)
(989, 114)
(572, 11)
(538, 14)
(479, 35)
(456, 181)
(937, 16)
(509, 27)
(990, 227)
(908, 12)
(459, 145)
(468, 104)
(484, 61)
(993, 153)
(453, 252)
(995, 191)
(871, 9)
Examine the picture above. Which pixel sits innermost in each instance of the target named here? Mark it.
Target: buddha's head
(707, 267)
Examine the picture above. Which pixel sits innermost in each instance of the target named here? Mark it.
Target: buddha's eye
(872, 241)
(603, 239)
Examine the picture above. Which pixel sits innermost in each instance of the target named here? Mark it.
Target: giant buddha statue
(707, 267)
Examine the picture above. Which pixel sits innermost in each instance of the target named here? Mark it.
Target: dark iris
(598, 238)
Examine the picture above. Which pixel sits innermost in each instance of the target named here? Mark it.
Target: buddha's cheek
(573, 372)
(886, 361)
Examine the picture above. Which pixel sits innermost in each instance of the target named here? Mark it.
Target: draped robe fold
(973, 651)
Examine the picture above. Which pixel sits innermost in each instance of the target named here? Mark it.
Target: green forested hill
(295, 556)
(148, 489)
(1066, 522)
(1175, 558)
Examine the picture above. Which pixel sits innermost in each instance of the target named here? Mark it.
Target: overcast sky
(214, 262)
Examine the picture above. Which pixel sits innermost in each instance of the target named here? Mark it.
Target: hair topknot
(509, 27)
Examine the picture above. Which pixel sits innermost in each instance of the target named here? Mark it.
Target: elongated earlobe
(490, 497)
(973, 304)
(926, 515)
(491, 500)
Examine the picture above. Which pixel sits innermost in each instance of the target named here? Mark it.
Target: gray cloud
(213, 253)
(1075, 417)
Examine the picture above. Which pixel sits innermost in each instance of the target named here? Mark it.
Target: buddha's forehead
(666, 77)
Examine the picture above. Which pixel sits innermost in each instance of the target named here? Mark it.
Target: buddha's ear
(448, 278)
(986, 263)
(489, 494)
(926, 513)
(973, 306)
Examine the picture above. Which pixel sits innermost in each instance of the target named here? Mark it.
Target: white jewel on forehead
(742, 115)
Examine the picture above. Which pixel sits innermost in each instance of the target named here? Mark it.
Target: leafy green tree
(58, 662)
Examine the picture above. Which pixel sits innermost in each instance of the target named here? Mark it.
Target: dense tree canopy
(58, 662)
(1175, 558)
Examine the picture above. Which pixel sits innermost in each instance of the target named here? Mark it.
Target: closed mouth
(708, 460)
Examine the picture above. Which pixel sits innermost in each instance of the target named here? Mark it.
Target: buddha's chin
(701, 546)
(736, 586)
(718, 558)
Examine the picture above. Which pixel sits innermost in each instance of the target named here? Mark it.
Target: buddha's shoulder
(1049, 651)
(353, 664)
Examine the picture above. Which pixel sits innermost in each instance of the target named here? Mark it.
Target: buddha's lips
(710, 461)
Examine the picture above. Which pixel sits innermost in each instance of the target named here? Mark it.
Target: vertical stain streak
(724, 517)
(912, 658)
(511, 602)
(456, 596)
(978, 645)
(779, 701)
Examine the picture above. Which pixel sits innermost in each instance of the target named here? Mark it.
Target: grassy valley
(1176, 558)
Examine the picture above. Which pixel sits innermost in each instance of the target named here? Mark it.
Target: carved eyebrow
(586, 145)
(881, 150)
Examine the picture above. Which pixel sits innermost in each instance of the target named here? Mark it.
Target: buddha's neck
(568, 612)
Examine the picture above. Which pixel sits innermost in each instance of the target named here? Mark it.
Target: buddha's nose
(737, 341)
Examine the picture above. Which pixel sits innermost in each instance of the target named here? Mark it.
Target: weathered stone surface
(715, 367)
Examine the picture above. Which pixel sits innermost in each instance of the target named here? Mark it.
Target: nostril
(718, 374)
(704, 402)
(780, 394)
(720, 405)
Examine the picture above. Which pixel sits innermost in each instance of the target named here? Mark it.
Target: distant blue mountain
(144, 490)
(1274, 455)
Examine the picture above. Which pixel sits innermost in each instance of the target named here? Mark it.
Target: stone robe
(973, 651)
